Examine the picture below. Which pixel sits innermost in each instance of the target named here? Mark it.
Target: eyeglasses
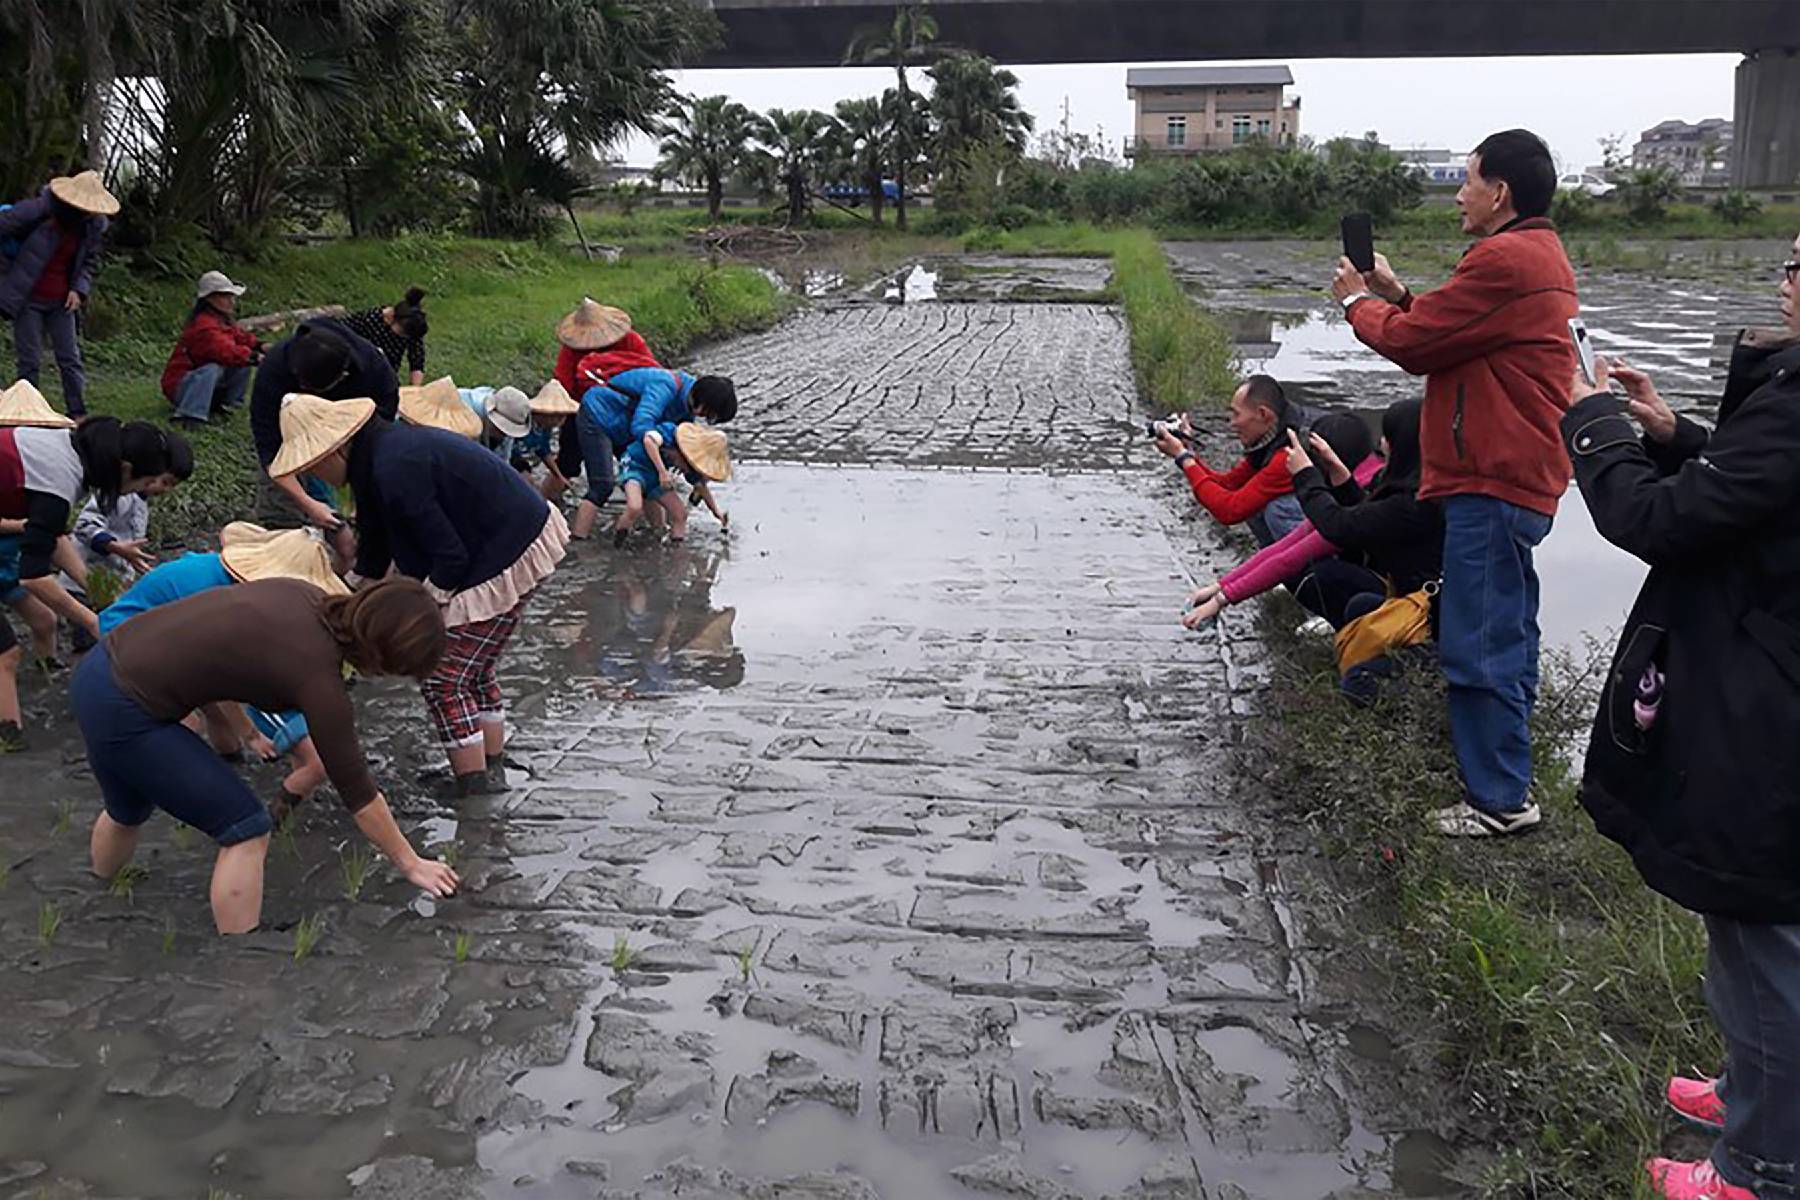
(1792, 267)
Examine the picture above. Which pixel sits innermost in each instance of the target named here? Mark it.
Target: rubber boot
(475, 783)
(496, 772)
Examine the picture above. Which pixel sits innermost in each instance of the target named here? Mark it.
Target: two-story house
(1203, 110)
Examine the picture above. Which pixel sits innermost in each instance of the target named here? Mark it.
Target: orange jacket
(1234, 496)
(1493, 344)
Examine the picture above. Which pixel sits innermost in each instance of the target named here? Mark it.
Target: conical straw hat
(290, 554)
(439, 405)
(593, 326)
(23, 404)
(244, 533)
(312, 427)
(553, 400)
(85, 192)
(706, 450)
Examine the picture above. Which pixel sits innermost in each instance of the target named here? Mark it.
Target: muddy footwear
(496, 773)
(12, 738)
(1692, 1181)
(1697, 1102)
(1467, 821)
(476, 783)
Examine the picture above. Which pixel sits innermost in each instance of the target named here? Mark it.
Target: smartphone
(1584, 349)
(1359, 240)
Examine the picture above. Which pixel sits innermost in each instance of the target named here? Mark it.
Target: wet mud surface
(1677, 322)
(891, 846)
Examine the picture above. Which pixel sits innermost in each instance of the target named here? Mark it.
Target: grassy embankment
(493, 306)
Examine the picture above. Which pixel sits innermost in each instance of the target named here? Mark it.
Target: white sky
(1442, 103)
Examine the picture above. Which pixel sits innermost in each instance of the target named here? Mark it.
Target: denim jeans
(208, 386)
(29, 327)
(1753, 989)
(596, 456)
(1488, 643)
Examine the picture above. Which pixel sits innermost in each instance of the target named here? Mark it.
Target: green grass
(465, 942)
(354, 866)
(1182, 358)
(622, 954)
(1437, 220)
(1564, 991)
(307, 934)
(124, 882)
(49, 922)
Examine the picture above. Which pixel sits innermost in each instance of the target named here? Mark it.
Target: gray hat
(214, 282)
(510, 411)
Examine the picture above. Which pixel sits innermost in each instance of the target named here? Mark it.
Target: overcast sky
(1442, 103)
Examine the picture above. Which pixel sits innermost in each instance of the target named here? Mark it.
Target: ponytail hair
(107, 448)
(409, 314)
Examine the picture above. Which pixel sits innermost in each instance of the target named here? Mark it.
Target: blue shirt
(637, 401)
(187, 576)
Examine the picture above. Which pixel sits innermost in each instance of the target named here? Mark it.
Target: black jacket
(370, 378)
(1388, 529)
(1708, 800)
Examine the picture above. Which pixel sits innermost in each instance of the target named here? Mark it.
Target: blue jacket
(653, 396)
(438, 506)
(34, 223)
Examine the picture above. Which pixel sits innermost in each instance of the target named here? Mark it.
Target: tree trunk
(586, 251)
(351, 212)
(904, 143)
(877, 197)
(96, 100)
(715, 197)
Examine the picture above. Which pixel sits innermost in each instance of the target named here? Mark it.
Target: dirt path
(888, 848)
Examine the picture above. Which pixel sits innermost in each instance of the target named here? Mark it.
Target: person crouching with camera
(1257, 491)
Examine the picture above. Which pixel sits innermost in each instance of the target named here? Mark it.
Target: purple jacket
(33, 222)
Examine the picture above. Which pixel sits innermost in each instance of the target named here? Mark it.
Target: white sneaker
(1465, 820)
(1314, 627)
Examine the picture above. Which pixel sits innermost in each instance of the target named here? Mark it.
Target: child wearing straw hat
(49, 280)
(437, 507)
(131, 694)
(701, 453)
(439, 405)
(247, 553)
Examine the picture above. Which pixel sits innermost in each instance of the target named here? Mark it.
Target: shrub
(1647, 192)
(1735, 207)
(1572, 208)
(1015, 216)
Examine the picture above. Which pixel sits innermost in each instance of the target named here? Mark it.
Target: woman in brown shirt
(132, 691)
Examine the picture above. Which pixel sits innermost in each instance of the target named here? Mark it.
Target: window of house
(1177, 129)
(1240, 129)
(1262, 128)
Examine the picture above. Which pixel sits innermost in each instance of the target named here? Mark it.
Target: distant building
(1205, 110)
(1700, 153)
(1437, 166)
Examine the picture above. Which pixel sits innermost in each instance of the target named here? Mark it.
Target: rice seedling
(49, 921)
(355, 869)
(307, 934)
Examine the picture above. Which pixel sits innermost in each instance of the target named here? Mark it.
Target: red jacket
(210, 337)
(628, 353)
(1234, 496)
(1493, 344)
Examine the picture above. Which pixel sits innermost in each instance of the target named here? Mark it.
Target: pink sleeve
(1274, 565)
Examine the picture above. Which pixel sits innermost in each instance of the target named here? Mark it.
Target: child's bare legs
(237, 885)
(587, 513)
(111, 845)
(634, 508)
(671, 503)
(9, 687)
(41, 620)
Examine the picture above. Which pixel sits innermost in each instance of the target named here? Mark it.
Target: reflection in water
(652, 629)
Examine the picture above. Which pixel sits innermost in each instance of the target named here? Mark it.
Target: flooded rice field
(1676, 321)
(891, 846)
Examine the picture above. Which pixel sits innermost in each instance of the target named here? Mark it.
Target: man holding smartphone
(1493, 344)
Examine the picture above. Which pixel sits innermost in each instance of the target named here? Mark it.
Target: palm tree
(975, 103)
(865, 135)
(908, 41)
(796, 151)
(705, 144)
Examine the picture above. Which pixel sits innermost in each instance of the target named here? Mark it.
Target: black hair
(1265, 391)
(1347, 435)
(410, 316)
(107, 447)
(1400, 425)
(716, 396)
(317, 357)
(1522, 160)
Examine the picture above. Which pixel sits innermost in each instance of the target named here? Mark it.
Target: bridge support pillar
(1766, 126)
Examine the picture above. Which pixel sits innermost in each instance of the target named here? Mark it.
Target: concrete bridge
(793, 33)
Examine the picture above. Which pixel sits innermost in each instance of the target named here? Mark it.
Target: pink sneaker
(1692, 1181)
(1697, 1102)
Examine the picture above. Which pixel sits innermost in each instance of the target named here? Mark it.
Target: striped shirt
(372, 327)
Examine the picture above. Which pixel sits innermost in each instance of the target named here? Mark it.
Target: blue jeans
(208, 386)
(596, 455)
(1488, 643)
(1753, 989)
(33, 319)
(143, 763)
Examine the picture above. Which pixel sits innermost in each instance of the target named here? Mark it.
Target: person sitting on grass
(247, 553)
(1257, 491)
(1337, 438)
(701, 453)
(397, 330)
(209, 368)
(131, 694)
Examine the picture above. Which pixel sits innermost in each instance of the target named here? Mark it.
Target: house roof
(1172, 77)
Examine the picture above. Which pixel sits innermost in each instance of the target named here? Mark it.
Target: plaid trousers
(464, 692)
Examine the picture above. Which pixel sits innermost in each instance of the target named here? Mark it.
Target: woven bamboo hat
(85, 192)
(250, 552)
(553, 400)
(706, 450)
(23, 405)
(312, 427)
(593, 326)
(439, 405)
